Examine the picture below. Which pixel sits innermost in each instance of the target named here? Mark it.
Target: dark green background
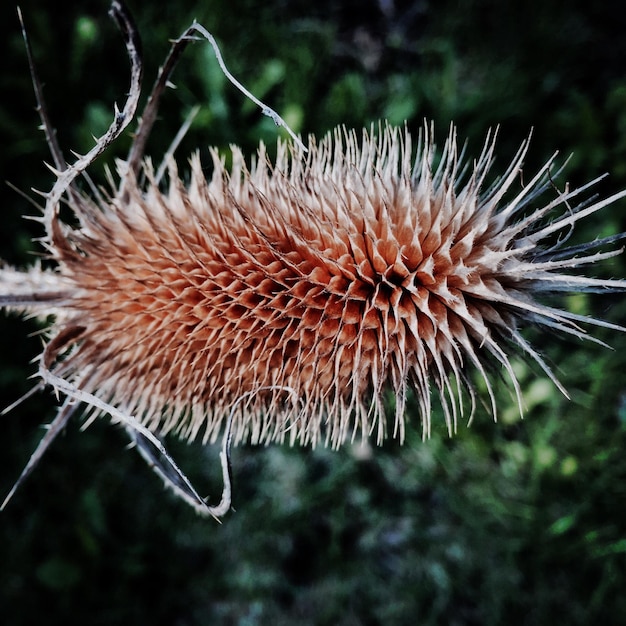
(515, 522)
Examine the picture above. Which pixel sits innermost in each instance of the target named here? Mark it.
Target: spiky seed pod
(310, 287)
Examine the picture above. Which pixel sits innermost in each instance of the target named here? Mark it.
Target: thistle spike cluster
(310, 287)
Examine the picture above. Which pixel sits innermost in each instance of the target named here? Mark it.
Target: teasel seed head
(294, 300)
(332, 278)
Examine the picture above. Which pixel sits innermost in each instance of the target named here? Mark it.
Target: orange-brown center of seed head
(308, 287)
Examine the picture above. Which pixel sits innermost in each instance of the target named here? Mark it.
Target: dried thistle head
(289, 297)
(357, 269)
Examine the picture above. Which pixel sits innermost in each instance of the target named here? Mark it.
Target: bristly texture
(282, 302)
(310, 287)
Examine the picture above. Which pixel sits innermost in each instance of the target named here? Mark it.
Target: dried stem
(42, 110)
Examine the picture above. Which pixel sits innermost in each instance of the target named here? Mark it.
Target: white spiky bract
(329, 277)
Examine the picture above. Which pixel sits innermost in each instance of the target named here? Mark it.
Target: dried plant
(280, 301)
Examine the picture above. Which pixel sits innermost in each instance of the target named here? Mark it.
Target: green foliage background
(519, 522)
